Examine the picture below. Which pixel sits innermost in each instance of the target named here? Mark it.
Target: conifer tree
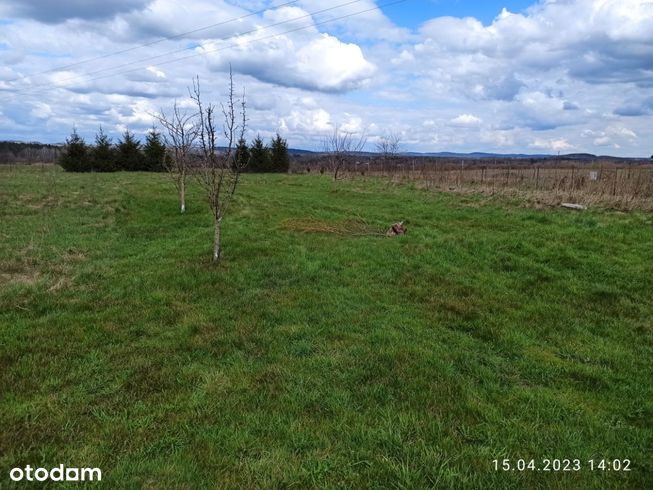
(74, 157)
(130, 156)
(279, 157)
(154, 152)
(103, 156)
(259, 160)
(242, 156)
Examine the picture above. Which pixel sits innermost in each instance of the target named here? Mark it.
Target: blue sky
(415, 12)
(443, 75)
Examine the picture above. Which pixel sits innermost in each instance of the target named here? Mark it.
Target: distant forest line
(18, 152)
(21, 152)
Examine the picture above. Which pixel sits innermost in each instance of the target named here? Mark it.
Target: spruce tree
(103, 156)
(154, 152)
(242, 155)
(130, 157)
(74, 157)
(259, 160)
(279, 157)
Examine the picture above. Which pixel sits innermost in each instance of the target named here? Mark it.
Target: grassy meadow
(319, 354)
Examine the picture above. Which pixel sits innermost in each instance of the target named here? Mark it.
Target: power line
(233, 45)
(150, 58)
(151, 43)
(163, 55)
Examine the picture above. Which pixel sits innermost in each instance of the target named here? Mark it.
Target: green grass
(319, 360)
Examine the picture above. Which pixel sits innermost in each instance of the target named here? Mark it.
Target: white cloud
(603, 141)
(622, 132)
(368, 24)
(156, 72)
(466, 120)
(352, 124)
(558, 144)
(572, 75)
(322, 63)
(316, 120)
(42, 110)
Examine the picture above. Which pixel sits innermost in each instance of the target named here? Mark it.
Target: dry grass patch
(24, 278)
(351, 227)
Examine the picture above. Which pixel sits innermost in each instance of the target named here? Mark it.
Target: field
(320, 354)
(610, 184)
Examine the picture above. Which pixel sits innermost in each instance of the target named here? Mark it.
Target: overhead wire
(188, 48)
(33, 90)
(148, 44)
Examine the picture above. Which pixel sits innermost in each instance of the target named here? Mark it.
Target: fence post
(460, 174)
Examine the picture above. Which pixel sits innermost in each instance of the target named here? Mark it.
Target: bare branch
(180, 132)
(388, 146)
(340, 146)
(219, 171)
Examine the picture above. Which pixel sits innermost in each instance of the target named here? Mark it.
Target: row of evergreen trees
(261, 158)
(104, 156)
(130, 155)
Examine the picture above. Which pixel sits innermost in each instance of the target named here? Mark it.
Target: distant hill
(297, 151)
(482, 155)
(475, 155)
(20, 151)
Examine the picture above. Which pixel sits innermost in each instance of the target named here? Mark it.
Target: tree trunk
(216, 240)
(182, 194)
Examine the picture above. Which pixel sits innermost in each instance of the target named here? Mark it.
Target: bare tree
(180, 132)
(339, 147)
(219, 171)
(388, 146)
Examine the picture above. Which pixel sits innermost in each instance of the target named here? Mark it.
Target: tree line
(19, 152)
(129, 154)
(261, 158)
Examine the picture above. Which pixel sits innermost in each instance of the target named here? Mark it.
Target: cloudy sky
(501, 76)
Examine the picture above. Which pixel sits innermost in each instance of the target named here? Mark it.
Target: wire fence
(621, 187)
